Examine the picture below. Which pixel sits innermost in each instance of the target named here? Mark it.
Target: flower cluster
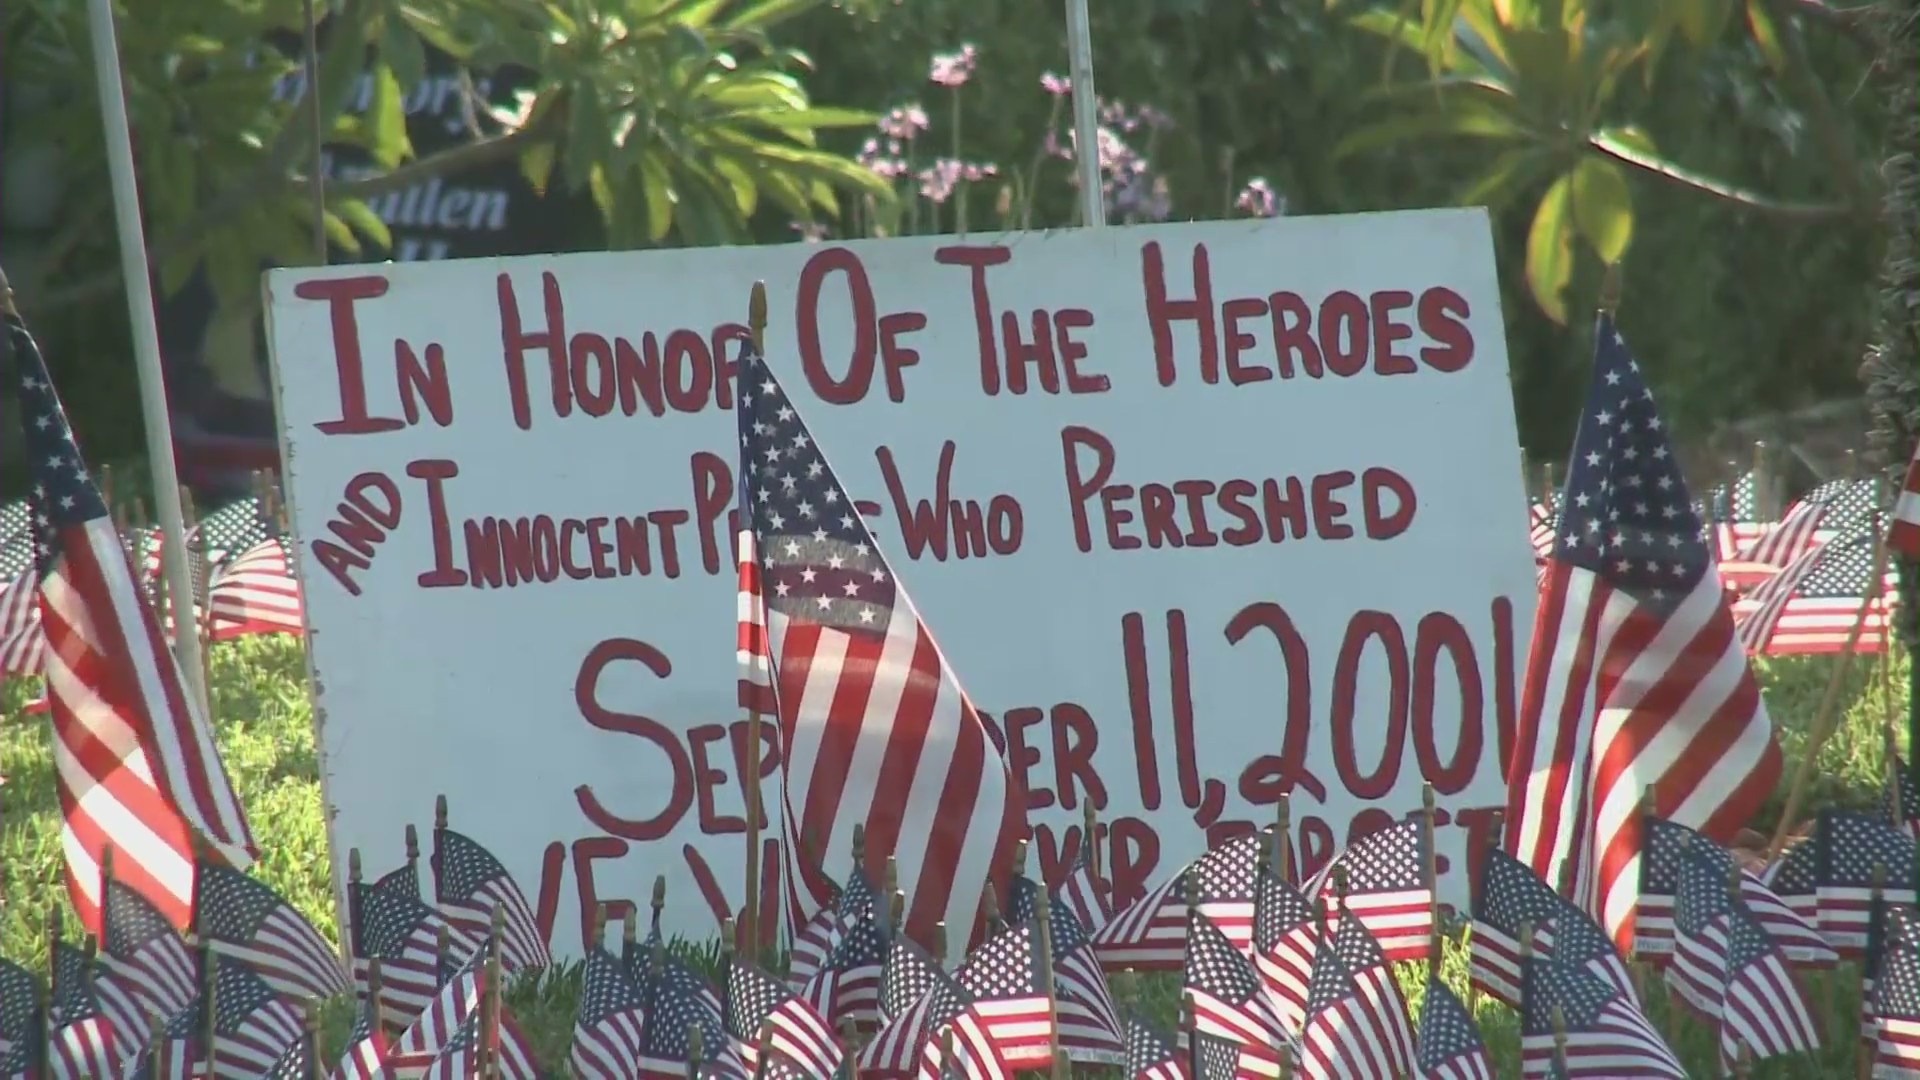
(1133, 190)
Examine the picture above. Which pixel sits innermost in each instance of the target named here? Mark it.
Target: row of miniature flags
(240, 561)
(1277, 980)
(1807, 582)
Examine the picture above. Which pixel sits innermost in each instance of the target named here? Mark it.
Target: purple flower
(1259, 199)
(901, 123)
(882, 164)
(939, 180)
(811, 232)
(954, 69)
(1057, 85)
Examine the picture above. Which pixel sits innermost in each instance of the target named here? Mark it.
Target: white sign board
(1199, 513)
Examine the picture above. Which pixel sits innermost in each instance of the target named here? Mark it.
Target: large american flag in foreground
(876, 728)
(134, 757)
(1635, 677)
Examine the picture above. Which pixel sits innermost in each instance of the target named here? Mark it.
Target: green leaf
(1512, 170)
(386, 119)
(1630, 137)
(363, 221)
(1470, 119)
(657, 190)
(768, 13)
(402, 50)
(1766, 35)
(1550, 250)
(1626, 150)
(1603, 207)
(1703, 21)
(536, 165)
(588, 133)
(340, 235)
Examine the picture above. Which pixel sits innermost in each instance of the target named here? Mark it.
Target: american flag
(756, 681)
(1222, 881)
(1089, 1024)
(469, 883)
(1151, 1055)
(459, 1059)
(817, 941)
(255, 926)
(1812, 521)
(1084, 892)
(1634, 677)
(295, 1064)
(81, 1042)
(22, 1028)
(1903, 529)
(1007, 982)
(1149, 934)
(876, 728)
(910, 974)
(1872, 960)
(676, 1001)
(1508, 895)
(1850, 847)
(1450, 1046)
(256, 592)
(1900, 799)
(610, 1024)
(365, 1057)
(1357, 1026)
(135, 759)
(1697, 972)
(1665, 847)
(1763, 1006)
(22, 644)
(403, 933)
(1896, 999)
(458, 992)
(148, 971)
(860, 959)
(252, 1027)
(758, 1005)
(1815, 603)
(1387, 888)
(1286, 937)
(1794, 877)
(1228, 998)
(910, 1044)
(1607, 1037)
(1215, 1058)
(1733, 510)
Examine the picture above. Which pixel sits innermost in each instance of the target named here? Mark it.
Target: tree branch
(1705, 185)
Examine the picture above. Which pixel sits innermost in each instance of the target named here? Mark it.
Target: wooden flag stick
(210, 1008)
(413, 850)
(1828, 717)
(694, 1051)
(1877, 923)
(1190, 1030)
(376, 1014)
(659, 902)
(47, 1024)
(1090, 836)
(1043, 931)
(990, 908)
(199, 607)
(750, 783)
(1286, 1062)
(490, 999)
(157, 1061)
(1282, 837)
(763, 1052)
(1559, 1041)
(1525, 950)
(1430, 873)
(310, 1020)
(850, 1049)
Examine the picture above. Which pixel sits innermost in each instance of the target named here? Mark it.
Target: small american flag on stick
(1896, 999)
(1450, 1045)
(1357, 1026)
(255, 926)
(1286, 938)
(758, 1005)
(1632, 607)
(1508, 897)
(1851, 846)
(1666, 847)
(1228, 999)
(875, 726)
(469, 884)
(81, 1041)
(1151, 1055)
(1606, 1037)
(1386, 887)
(1089, 1023)
(609, 1027)
(1762, 1007)
(135, 759)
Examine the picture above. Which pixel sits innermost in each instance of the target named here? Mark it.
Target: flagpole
(146, 337)
(750, 783)
(1086, 115)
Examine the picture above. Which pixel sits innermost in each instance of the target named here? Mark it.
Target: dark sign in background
(215, 355)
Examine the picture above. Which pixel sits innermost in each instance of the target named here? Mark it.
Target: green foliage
(266, 736)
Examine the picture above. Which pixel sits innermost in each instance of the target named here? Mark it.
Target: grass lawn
(260, 699)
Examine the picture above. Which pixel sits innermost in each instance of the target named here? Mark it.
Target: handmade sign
(1199, 513)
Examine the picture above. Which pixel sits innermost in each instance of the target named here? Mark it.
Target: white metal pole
(1086, 114)
(146, 345)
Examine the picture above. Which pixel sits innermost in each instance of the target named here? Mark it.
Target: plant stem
(960, 182)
